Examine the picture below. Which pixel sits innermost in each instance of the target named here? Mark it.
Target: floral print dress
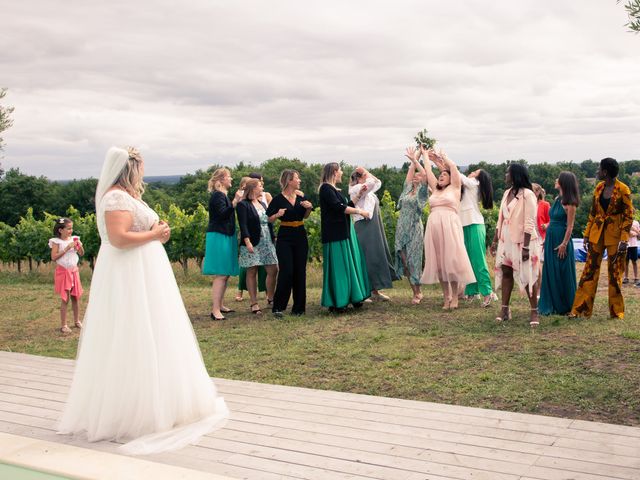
(410, 232)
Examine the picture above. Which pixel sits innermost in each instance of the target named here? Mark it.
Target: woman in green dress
(345, 279)
(558, 285)
(409, 247)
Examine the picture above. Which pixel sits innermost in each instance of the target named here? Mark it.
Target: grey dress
(410, 232)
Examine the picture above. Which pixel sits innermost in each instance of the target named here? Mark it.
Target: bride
(139, 375)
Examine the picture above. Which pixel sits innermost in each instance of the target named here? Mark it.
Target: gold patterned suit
(605, 230)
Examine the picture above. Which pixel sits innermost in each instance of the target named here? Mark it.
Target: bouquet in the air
(422, 138)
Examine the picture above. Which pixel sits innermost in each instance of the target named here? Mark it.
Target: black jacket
(221, 217)
(249, 222)
(334, 223)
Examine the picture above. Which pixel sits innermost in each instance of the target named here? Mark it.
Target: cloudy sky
(194, 83)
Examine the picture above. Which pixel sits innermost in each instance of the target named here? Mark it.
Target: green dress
(345, 279)
(558, 286)
(410, 232)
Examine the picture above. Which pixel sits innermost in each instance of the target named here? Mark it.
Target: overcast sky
(194, 83)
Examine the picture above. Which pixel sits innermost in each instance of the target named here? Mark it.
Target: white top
(69, 259)
(633, 239)
(143, 216)
(469, 208)
(367, 202)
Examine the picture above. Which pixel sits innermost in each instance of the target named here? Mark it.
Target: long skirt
(345, 279)
(475, 242)
(558, 284)
(373, 243)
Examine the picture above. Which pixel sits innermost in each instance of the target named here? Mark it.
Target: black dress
(292, 248)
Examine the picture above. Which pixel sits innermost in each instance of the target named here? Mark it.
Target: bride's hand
(161, 231)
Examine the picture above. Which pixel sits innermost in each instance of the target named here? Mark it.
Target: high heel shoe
(257, 311)
(503, 317)
(447, 303)
(218, 319)
(536, 322)
(488, 299)
(453, 303)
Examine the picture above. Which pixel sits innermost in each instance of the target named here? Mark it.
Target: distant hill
(167, 179)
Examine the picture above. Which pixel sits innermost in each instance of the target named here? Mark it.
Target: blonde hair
(286, 176)
(243, 182)
(328, 172)
(250, 186)
(130, 178)
(539, 191)
(216, 178)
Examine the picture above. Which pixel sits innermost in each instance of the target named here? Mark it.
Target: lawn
(586, 369)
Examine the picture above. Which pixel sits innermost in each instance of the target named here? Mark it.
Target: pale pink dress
(509, 254)
(445, 255)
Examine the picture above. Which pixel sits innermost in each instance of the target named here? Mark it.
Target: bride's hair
(130, 178)
(216, 178)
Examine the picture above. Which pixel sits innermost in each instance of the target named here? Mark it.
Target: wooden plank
(622, 430)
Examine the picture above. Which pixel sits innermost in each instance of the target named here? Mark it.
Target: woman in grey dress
(370, 232)
(409, 248)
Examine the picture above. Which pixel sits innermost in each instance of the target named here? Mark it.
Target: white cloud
(204, 82)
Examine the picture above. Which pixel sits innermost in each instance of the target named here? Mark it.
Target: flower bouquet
(422, 138)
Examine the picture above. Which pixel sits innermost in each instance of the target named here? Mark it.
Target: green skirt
(345, 279)
(262, 279)
(220, 255)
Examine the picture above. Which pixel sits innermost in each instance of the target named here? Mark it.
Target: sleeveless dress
(139, 375)
(558, 285)
(445, 256)
(410, 232)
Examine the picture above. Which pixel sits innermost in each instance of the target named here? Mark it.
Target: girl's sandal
(257, 311)
(65, 329)
(503, 317)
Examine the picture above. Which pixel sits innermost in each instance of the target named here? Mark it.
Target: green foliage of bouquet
(422, 138)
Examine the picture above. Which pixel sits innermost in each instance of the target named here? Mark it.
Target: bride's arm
(119, 223)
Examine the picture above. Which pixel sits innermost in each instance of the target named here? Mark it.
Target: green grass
(587, 369)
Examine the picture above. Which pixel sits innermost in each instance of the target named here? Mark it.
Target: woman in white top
(139, 376)
(370, 232)
(632, 254)
(477, 188)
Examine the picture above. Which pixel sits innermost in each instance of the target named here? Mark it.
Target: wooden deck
(281, 432)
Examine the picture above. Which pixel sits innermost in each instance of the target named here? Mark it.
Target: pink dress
(445, 255)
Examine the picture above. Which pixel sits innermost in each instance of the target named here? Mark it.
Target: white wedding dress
(139, 375)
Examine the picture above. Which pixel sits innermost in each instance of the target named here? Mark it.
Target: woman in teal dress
(345, 279)
(409, 246)
(558, 285)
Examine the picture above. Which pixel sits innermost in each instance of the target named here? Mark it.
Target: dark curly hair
(610, 165)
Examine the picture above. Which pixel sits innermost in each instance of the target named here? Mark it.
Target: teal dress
(558, 285)
(410, 232)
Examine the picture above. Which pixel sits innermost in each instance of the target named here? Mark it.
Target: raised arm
(453, 169)
(432, 181)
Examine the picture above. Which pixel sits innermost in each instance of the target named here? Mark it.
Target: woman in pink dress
(445, 256)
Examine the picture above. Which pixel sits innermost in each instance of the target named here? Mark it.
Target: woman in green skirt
(221, 249)
(345, 277)
(477, 188)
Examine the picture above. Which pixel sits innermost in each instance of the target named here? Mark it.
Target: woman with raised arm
(345, 279)
(139, 376)
(370, 231)
(558, 281)
(515, 243)
(445, 257)
(409, 242)
(477, 188)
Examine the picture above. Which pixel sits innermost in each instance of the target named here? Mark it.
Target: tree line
(30, 205)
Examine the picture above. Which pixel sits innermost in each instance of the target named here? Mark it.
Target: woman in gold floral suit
(608, 228)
